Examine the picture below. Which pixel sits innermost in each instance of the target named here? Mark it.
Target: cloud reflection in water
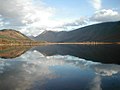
(33, 69)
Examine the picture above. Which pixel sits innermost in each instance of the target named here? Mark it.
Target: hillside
(9, 36)
(103, 32)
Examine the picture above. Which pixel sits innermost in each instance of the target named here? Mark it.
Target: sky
(32, 17)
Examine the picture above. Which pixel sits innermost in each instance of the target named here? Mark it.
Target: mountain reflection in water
(12, 51)
(56, 68)
(97, 53)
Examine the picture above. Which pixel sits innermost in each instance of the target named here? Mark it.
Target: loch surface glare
(60, 67)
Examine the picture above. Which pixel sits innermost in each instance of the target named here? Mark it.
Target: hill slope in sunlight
(8, 36)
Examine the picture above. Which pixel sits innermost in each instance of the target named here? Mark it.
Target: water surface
(60, 67)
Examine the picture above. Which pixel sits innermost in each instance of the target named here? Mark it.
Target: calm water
(60, 67)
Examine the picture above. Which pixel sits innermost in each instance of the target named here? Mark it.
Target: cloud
(105, 15)
(97, 4)
(70, 24)
(77, 22)
(24, 14)
(1, 22)
(32, 17)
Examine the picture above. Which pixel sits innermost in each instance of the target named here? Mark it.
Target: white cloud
(105, 15)
(1, 23)
(24, 14)
(77, 22)
(69, 24)
(32, 17)
(97, 4)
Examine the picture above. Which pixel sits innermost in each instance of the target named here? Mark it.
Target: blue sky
(32, 17)
(109, 4)
(70, 8)
(77, 8)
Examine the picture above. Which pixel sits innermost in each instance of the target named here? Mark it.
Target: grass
(6, 37)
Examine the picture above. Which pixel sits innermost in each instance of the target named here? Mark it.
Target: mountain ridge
(102, 32)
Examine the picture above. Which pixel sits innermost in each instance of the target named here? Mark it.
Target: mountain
(8, 36)
(103, 32)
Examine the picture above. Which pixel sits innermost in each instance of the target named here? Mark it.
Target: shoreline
(64, 43)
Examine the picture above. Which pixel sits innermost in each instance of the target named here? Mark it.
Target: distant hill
(103, 32)
(8, 36)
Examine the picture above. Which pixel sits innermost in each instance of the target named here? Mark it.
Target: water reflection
(23, 72)
(39, 71)
(97, 53)
(12, 51)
